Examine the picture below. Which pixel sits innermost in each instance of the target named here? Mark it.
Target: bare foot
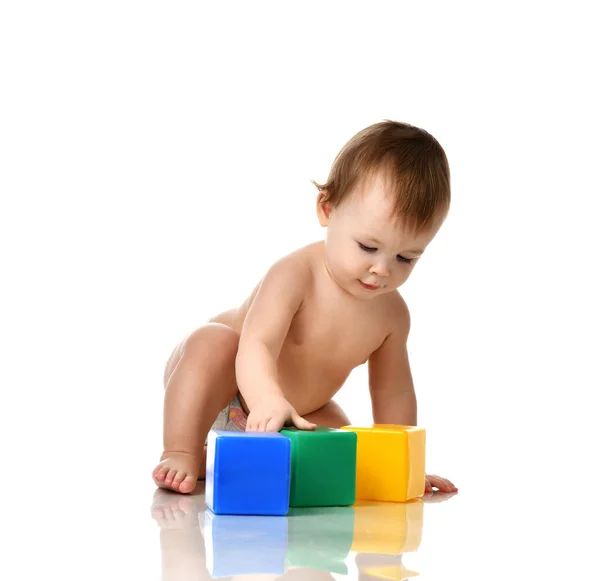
(177, 471)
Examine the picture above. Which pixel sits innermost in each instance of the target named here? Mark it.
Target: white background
(156, 158)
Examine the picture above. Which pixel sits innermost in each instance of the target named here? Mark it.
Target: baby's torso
(329, 336)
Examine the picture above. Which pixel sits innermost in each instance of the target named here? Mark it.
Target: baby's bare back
(331, 334)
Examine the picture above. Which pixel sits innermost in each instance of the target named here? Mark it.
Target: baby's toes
(160, 473)
(178, 479)
(170, 476)
(187, 483)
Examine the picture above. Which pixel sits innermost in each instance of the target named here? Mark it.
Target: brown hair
(413, 161)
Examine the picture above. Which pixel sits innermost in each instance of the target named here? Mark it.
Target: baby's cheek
(357, 268)
(357, 263)
(341, 265)
(403, 278)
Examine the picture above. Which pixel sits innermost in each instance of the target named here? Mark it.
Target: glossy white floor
(516, 516)
(373, 539)
(498, 532)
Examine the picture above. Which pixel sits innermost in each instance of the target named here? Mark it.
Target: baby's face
(368, 250)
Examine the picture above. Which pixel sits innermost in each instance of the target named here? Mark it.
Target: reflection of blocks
(390, 462)
(383, 567)
(323, 467)
(387, 528)
(389, 572)
(247, 473)
(320, 538)
(245, 545)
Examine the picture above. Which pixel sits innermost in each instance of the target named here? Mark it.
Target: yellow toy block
(387, 529)
(390, 462)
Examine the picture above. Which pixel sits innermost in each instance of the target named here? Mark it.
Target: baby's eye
(403, 259)
(366, 248)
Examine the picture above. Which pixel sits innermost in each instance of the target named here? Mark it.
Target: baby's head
(386, 197)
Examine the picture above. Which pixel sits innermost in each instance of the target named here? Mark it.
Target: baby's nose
(380, 269)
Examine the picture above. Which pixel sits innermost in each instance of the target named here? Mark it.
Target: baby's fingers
(442, 483)
(274, 425)
(301, 423)
(253, 424)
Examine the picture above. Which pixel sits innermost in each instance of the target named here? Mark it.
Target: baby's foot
(177, 471)
(175, 511)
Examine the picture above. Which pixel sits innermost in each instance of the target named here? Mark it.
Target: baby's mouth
(368, 286)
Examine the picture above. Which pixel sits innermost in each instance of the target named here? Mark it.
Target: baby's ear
(323, 208)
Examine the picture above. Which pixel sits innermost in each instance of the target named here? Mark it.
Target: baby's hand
(442, 484)
(273, 414)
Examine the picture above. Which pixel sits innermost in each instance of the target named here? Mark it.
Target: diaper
(232, 417)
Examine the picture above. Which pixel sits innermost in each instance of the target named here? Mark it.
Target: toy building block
(323, 467)
(247, 473)
(245, 545)
(320, 538)
(386, 528)
(390, 462)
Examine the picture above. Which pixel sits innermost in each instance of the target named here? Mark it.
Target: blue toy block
(248, 473)
(245, 545)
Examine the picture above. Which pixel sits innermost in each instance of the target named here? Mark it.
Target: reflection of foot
(173, 511)
(438, 496)
(177, 471)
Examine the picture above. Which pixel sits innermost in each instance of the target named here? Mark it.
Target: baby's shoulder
(298, 264)
(396, 305)
(394, 312)
(290, 274)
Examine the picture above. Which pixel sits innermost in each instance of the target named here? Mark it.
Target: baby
(280, 357)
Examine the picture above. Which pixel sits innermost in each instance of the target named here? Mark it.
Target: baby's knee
(213, 343)
(331, 415)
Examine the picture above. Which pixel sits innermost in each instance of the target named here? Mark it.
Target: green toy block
(320, 538)
(323, 467)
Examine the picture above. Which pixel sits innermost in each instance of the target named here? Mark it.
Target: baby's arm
(267, 323)
(390, 380)
(391, 385)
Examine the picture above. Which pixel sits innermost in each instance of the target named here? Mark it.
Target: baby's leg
(199, 383)
(331, 415)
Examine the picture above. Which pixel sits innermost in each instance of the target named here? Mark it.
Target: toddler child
(280, 357)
